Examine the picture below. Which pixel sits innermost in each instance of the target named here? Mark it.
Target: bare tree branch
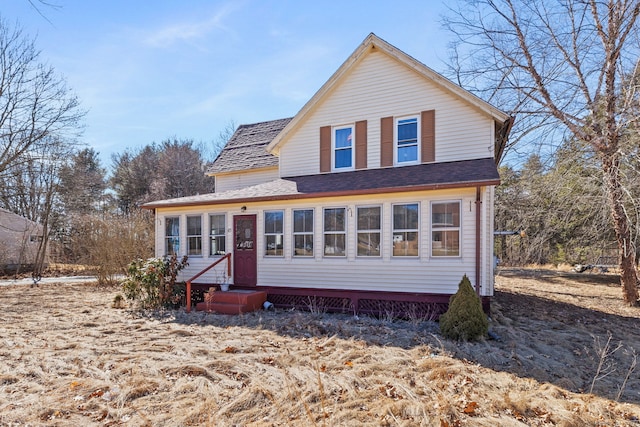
(562, 64)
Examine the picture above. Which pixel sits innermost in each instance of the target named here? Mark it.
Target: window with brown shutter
(407, 141)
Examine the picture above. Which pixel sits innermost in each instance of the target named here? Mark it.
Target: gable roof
(246, 149)
(370, 43)
(13, 223)
(428, 176)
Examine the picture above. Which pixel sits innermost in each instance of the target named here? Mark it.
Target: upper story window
(445, 229)
(405, 230)
(407, 148)
(274, 233)
(172, 235)
(217, 235)
(343, 148)
(194, 235)
(303, 232)
(335, 232)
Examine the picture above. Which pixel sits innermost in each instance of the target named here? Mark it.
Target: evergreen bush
(464, 320)
(152, 283)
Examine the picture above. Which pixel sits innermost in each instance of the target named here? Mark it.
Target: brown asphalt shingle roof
(246, 148)
(431, 176)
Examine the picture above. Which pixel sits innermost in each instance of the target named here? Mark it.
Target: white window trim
(166, 237)
(403, 230)
(265, 234)
(224, 233)
(396, 162)
(295, 233)
(194, 235)
(379, 231)
(432, 229)
(353, 148)
(345, 232)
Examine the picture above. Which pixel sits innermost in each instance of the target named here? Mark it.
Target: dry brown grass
(68, 357)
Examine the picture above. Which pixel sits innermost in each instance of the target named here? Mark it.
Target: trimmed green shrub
(464, 320)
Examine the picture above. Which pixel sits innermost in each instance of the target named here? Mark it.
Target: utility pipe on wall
(478, 209)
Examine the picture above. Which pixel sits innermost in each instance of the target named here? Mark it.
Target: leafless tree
(40, 119)
(40, 5)
(224, 136)
(564, 65)
(35, 103)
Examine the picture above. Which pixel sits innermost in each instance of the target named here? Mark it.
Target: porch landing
(234, 302)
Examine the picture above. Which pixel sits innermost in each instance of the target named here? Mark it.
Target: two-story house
(377, 196)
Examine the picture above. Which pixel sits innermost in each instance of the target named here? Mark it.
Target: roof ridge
(263, 122)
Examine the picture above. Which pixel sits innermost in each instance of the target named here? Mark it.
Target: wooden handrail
(218, 261)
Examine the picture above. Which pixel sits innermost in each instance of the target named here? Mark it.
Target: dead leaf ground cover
(67, 357)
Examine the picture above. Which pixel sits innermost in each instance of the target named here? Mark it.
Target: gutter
(322, 194)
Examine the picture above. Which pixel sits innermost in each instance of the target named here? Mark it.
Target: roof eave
(325, 194)
(236, 171)
(326, 87)
(370, 42)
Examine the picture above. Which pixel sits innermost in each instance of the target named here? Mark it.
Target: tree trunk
(628, 270)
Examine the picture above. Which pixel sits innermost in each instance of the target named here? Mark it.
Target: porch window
(405, 230)
(303, 232)
(172, 235)
(217, 235)
(368, 231)
(445, 229)
(343, 150)
(335, 231)
(406, 143)
(273, 233)
(194, 235)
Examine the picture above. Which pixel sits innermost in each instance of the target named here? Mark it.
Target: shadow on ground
(536, 337)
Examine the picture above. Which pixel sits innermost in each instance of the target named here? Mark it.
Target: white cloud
(188, 31)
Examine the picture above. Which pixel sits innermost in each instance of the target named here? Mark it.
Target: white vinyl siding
(368, 93)
(422, 274)
(242, 179)
(487, 238)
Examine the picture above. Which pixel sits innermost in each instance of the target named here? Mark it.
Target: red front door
(244, 253)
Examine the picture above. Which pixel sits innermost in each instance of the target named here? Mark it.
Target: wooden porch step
(234, 302)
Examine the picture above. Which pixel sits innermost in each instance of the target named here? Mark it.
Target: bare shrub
(108, 243)
(316, 305)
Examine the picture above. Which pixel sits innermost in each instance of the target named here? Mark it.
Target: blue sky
(149, 70)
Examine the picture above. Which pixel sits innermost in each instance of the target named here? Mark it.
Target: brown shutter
(361, 144)
(386, 141)
(325, 149)
(428, 136)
